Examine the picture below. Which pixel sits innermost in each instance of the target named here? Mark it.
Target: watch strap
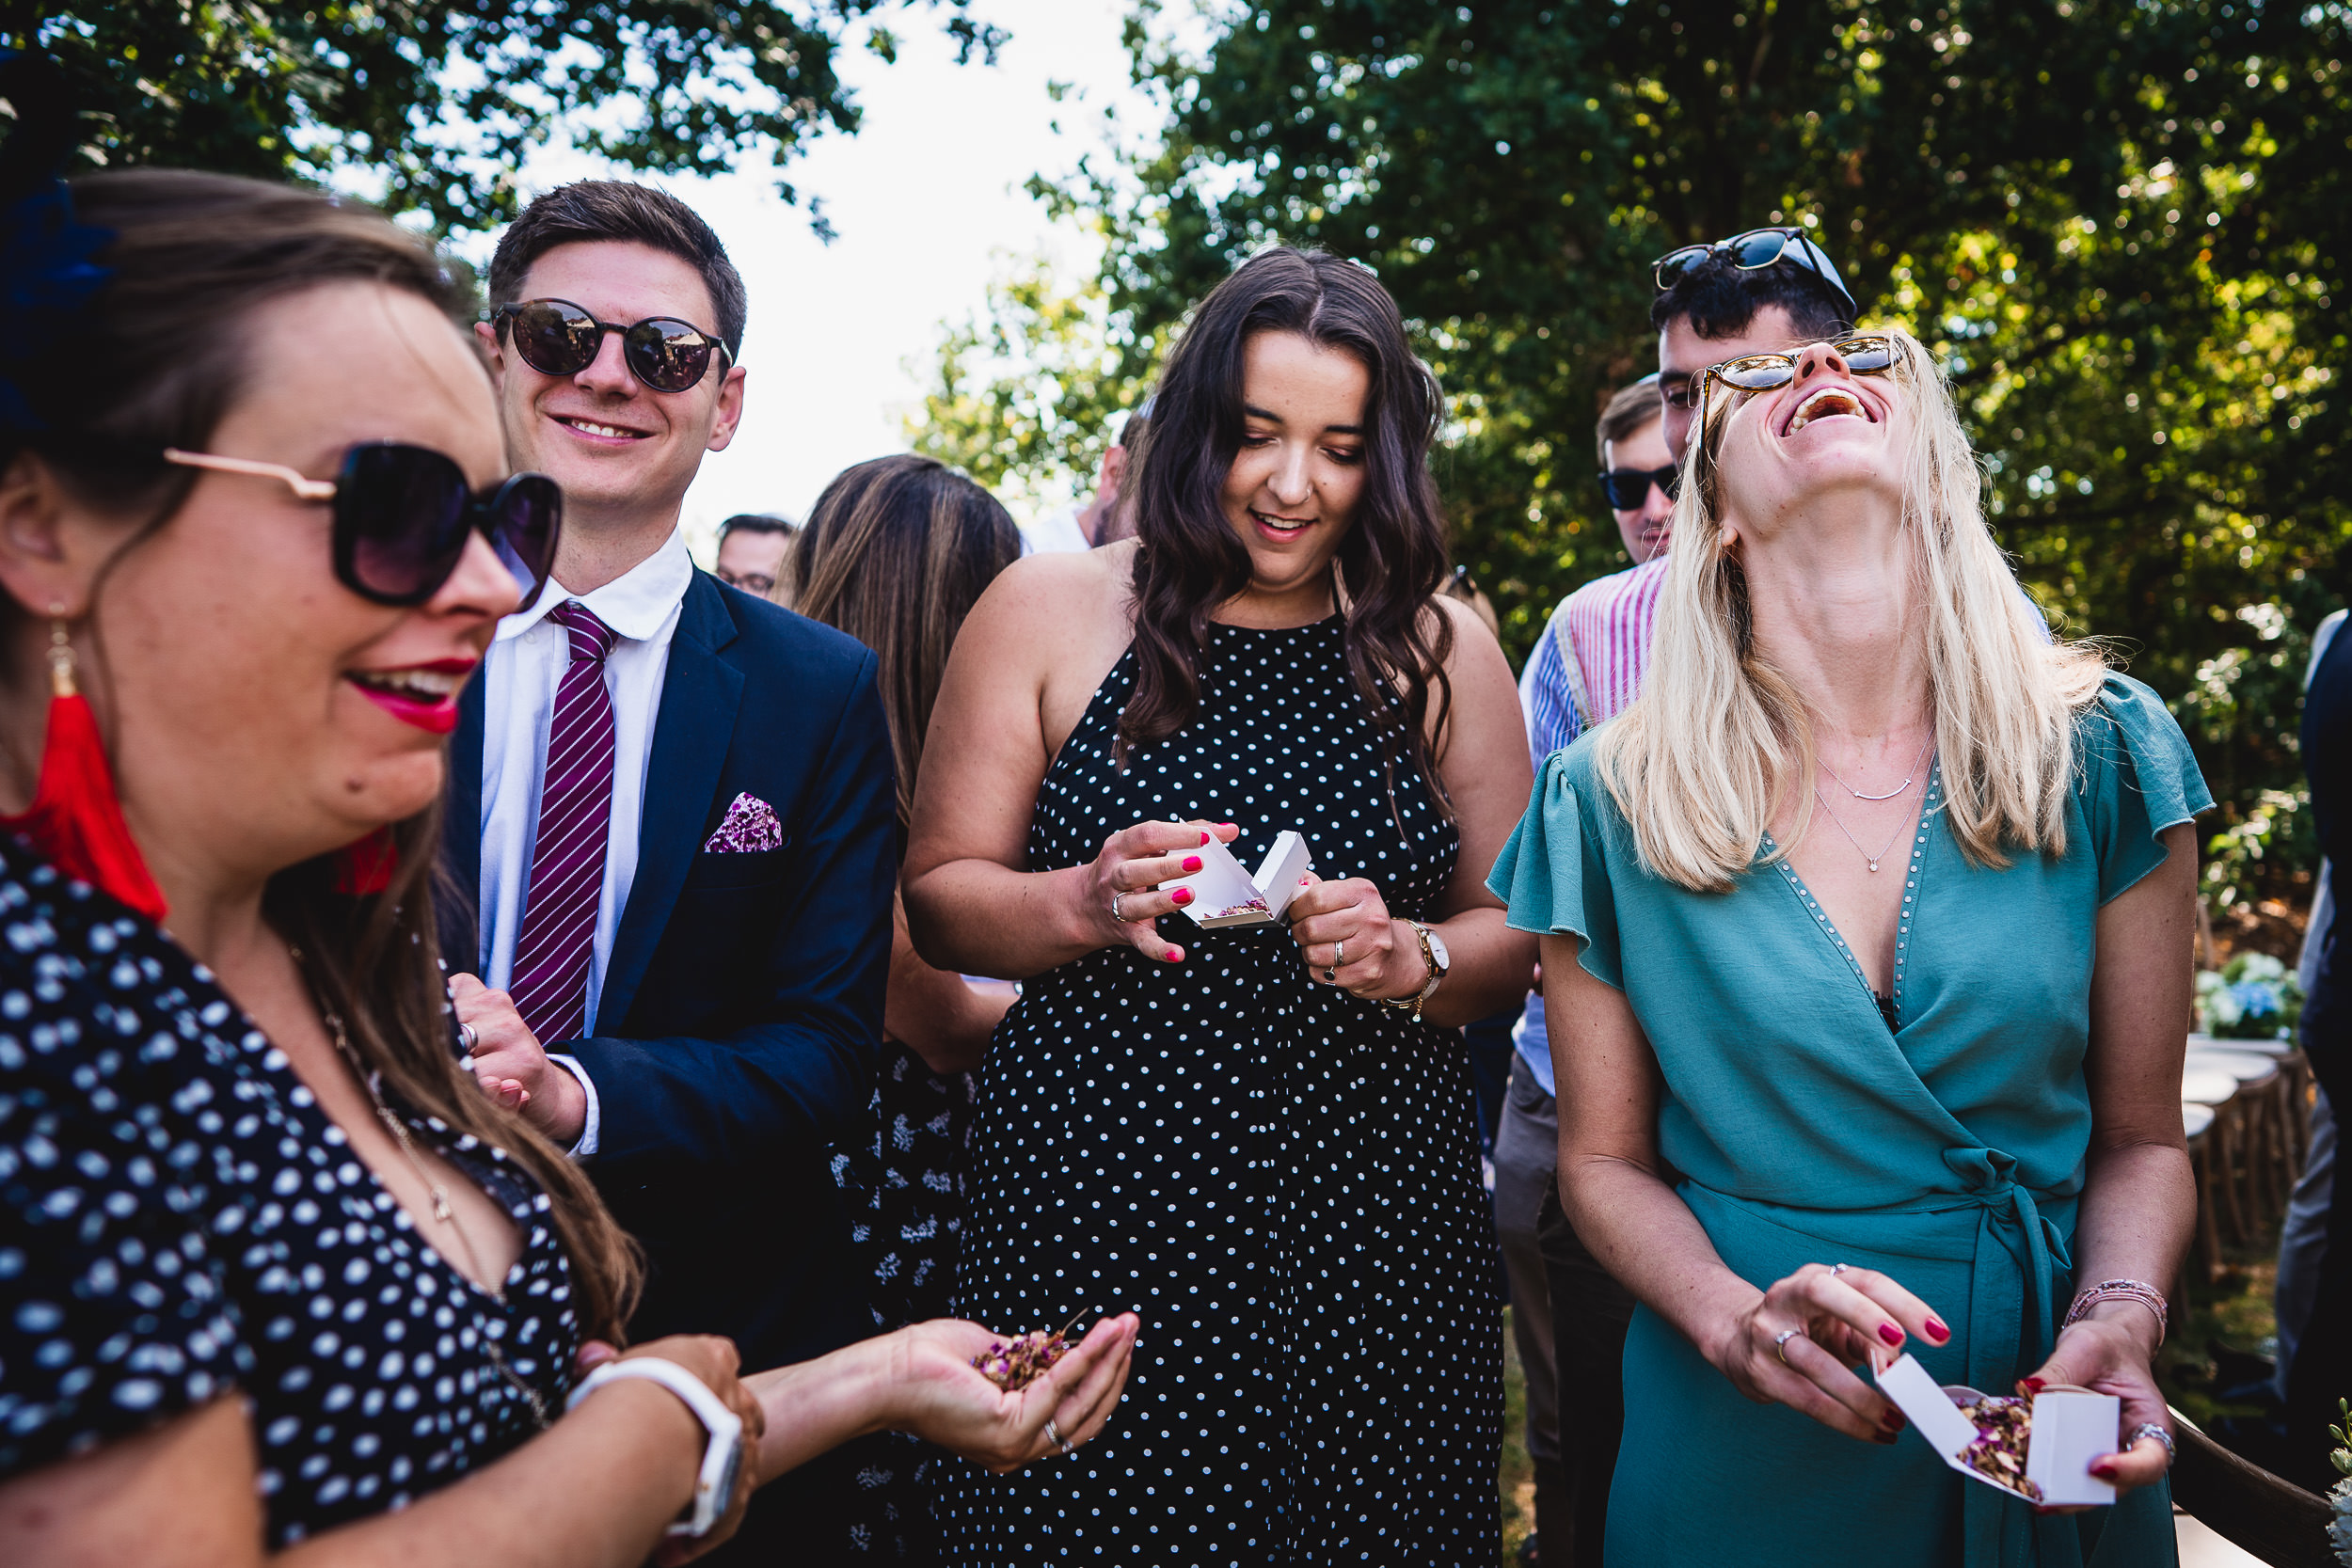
(1429, 960)
(723, 1425)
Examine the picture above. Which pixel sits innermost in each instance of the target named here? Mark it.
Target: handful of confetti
(1014, 1367)
(1998, 1451)
(1248, 906)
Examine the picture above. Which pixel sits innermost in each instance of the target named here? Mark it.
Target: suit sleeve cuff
(589, 1129)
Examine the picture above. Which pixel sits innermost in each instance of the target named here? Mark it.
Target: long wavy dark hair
(157, 358)
(1393, 557)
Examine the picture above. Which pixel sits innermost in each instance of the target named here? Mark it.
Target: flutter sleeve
(1554, 874)
(2139, 778)
(114, 1313)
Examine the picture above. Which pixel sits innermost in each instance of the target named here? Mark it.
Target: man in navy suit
(674, 809)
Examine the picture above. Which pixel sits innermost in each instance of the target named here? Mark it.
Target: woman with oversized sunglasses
(274, 1272)
(1869, 917)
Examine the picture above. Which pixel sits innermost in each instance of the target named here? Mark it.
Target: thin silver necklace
(1892, 793)
(1901, 829)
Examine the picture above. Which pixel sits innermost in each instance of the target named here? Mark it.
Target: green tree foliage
(2122, 225)
(442, 100)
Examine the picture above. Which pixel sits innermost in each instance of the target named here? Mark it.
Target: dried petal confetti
(1014, 1367)
(2004, 1426)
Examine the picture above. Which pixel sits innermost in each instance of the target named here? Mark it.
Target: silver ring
(1338, 954)
(1115, 914)
(2149, 1429)
(1053, 1435)
(1837, 1268)
(467, 1038)
(1780, 1343)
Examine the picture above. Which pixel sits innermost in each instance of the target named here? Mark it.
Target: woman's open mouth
(424, 695)
(1280, 529)
(1826, 402)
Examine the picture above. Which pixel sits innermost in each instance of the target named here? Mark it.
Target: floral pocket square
(751, 827)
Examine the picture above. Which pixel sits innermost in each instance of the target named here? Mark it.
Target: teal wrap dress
(1948, 1152)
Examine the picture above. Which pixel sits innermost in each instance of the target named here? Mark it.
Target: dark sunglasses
(403, 515)
(1627, 489)
(558, 337)
(1758, 247)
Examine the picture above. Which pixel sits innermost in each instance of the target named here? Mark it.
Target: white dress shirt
(527, 660)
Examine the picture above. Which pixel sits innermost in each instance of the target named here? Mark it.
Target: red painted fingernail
(1181, 896)
(2032, 1385)
(1892, 1421)
(1204, 838)
(1936, 1331)
(1174, 955)
(1889, 1333)
(1192, 863)
(2103, 1470)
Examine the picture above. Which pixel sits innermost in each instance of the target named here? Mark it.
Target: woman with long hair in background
(896, 553)
(1260, 1136)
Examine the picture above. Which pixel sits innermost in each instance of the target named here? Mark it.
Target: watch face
(1437, 947)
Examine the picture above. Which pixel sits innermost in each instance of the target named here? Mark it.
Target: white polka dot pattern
(177, 1216)
(1280, 1180)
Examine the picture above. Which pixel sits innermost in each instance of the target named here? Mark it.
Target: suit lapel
(700, 693)
(458, 920)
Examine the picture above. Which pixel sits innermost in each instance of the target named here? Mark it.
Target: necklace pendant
(1874, 865)
(440, 1195)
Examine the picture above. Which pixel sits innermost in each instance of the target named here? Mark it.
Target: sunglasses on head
(555, 337)
(1629, 488)
(1758, 247)
(1864, 354)
(403, 515)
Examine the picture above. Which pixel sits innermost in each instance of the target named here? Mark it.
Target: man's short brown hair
(593, 209)
(1629, 410)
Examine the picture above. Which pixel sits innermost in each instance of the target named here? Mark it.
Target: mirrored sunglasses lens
(668, 356)
(555, 340)
(1674, 264)
(1755, 376)
(1758, 247)
(1864, 355)
(400, 520)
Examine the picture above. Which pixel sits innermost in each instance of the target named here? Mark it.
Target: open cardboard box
(1223, 895)
(2071, 1427)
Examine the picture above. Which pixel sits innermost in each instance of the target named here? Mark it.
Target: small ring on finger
(1115, 914)
(1837, 1268)
(2149, 1429)
(1780, 1344)
(1053, 1435)
(468, 1038)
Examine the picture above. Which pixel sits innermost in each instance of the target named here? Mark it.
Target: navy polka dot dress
(178, 1218)
(1282, 1179)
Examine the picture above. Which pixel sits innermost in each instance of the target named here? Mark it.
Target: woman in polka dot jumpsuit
(1257, 1138)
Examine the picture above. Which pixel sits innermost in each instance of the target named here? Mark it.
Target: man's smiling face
(616, 446)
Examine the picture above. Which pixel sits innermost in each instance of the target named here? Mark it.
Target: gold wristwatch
(1433, 954)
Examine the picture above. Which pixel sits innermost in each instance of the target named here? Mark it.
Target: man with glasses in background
(676, 806)
(751, 547)
(1765, 290)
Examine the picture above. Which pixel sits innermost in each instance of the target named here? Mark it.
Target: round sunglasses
(555, 337)
(1629, 488)
(1865, 354)
(403, 515)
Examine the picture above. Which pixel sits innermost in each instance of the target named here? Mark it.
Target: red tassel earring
(364, 867)
(76, 820)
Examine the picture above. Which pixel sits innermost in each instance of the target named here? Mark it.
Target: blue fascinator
(47, 271)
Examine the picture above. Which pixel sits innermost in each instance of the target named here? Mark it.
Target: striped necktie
(559, 928)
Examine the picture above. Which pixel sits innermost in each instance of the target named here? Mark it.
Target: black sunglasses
(1627, 489)
(1758, 247)
(558, 337)
(403, 515)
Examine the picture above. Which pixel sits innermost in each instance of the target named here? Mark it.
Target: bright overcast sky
(928, 206)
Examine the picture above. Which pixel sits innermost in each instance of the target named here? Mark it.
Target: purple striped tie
(559, 930)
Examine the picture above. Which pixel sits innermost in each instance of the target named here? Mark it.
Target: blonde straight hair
(1701, 760)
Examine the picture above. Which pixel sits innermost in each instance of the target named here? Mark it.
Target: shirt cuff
(586, 1147)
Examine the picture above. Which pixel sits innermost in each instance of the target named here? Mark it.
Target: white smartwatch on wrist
(714, 1486)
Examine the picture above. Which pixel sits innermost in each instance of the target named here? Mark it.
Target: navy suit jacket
(742, 999)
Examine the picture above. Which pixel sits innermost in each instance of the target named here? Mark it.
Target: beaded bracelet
(2121, 1290)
